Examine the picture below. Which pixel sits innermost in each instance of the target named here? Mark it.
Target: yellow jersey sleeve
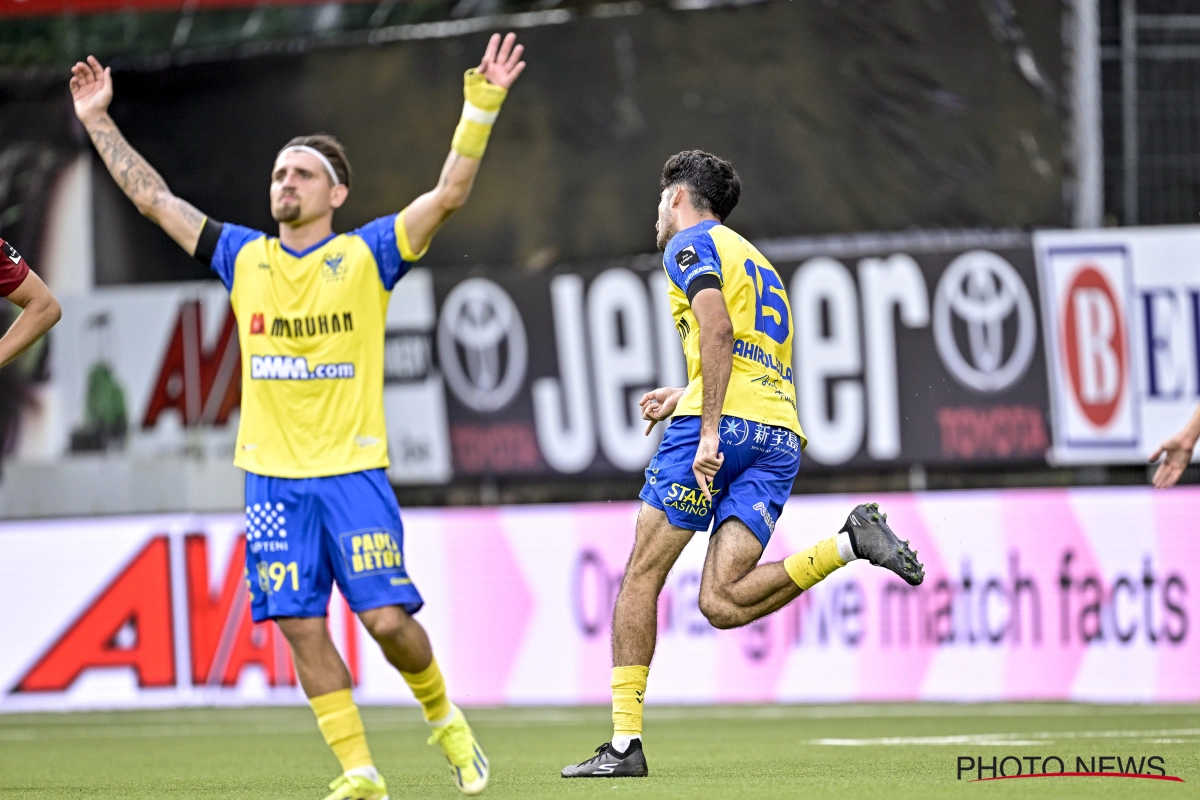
(387, 239)
(406, 251)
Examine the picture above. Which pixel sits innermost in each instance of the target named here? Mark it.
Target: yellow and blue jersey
(311, 326)
(761, 387)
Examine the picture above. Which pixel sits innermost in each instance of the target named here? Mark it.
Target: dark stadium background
(843, 117)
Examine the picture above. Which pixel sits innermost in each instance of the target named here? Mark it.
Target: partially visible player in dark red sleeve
(26, 289)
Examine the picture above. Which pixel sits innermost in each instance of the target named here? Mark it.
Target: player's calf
(735, 589)
(403, 640)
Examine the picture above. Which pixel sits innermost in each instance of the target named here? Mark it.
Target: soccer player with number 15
(729, 456)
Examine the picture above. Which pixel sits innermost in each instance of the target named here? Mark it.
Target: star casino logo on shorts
(370, 552)
(689, 500)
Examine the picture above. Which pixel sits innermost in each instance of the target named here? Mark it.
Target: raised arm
(485, 89)
(92, 91)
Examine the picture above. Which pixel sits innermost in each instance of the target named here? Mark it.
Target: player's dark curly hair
(712, 183)
(329, 147)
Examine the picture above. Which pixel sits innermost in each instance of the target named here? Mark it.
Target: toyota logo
(481, 345)
(984, 291)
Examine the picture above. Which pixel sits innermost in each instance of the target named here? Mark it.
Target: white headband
(303, 148)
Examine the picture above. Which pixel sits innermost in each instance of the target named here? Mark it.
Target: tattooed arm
(92, 91)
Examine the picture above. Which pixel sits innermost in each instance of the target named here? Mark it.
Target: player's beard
(665, 231)
(287, 213)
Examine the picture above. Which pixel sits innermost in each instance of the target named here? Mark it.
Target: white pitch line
(916, 741)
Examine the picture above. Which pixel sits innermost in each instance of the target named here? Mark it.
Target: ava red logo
(203, 385)
(257, 325)
(131, 624)
(1094, 338)
(137, 601)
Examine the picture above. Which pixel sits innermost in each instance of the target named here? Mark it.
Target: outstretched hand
(1178, 452)
(502, 62)
(91, 88)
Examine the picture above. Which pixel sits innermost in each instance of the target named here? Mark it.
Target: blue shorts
(302, 534)
(761, 462)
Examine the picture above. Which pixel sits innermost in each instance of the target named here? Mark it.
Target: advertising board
(1122, 318)
(1083, 594)
(904, 351)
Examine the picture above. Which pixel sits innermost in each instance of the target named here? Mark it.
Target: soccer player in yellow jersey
(311, 307)
(729, 455)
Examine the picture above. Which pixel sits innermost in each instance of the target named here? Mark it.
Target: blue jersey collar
(699, 227)
(306, 251)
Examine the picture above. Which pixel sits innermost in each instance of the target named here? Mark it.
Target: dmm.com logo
(998, 768)
(288, 368)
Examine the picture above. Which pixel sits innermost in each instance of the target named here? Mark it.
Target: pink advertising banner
(1083, 594)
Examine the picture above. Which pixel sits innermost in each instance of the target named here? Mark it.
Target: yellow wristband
(481, 106)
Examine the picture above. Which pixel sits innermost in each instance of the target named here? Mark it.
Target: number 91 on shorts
(274, 574)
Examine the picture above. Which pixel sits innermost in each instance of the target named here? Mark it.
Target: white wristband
(477, 114)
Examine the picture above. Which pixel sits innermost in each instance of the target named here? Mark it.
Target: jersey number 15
(772, 297)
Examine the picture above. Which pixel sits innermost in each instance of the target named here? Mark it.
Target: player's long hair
(329, 147)
(712, 183)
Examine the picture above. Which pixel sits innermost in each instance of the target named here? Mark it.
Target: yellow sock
(342, 727)
(429, 688)
(629, 689)
(809, 567)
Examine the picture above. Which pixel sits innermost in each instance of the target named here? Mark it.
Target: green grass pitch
(741, 752)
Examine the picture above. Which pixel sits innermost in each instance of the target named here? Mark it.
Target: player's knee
(720, 613)
(385, 624)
